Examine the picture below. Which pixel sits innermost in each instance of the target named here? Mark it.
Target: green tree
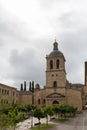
(38, 113)
(30, 107)
(56, 110)
(4, 122)
(63, 109)
(66, 108)
(72, 110)
(5, 108)
(48, 111)
(15, 117)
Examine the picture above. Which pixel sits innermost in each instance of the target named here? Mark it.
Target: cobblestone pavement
(78, 123)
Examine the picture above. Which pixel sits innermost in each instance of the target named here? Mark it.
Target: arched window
(38, 101)
(55, 84)
(2, 91)
(7, 102)
(13, 102)
(44, 101)
(57, 64)
(51, 64)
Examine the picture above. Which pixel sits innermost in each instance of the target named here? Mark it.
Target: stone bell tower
(55, 68)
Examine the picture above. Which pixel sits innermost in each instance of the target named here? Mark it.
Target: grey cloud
(67, 20)
(27, 65)
(73, 20)
(12, 28)
(1, 42)
(73, 45)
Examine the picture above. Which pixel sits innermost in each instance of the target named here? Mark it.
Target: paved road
(78, 123)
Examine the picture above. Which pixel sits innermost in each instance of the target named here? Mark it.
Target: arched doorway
(55, 102)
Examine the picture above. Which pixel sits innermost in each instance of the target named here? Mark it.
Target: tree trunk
(39, 124)
(47, 119)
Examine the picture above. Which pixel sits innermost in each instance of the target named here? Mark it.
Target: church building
(57, 89)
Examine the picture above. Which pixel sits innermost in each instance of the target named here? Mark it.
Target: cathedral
(57, 89)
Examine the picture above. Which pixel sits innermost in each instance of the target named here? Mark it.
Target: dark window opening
(8, 92)
(51, 64)
(57, 64)
(5, 92)
(38, 101)
(1, 101)
(13, 102)
(2, 91)
(44, 101)
(54, 84)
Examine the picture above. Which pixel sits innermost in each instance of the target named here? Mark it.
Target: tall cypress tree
(32, 92)
(30, 88)
(33, 86)
(24, 85)
(21, 87)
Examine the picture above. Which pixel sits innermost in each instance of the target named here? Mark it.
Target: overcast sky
(27, 31)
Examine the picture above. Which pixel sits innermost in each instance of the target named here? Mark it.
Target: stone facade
(25, 97)
(74, 98)
(8, 95)
(57, 89)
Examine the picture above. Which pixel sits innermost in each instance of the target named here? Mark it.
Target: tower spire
(55, 45)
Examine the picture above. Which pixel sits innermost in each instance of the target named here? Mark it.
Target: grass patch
(43, 127)
(60, 120)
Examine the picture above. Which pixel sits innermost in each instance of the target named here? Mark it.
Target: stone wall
(25, 98)
(74, 98)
